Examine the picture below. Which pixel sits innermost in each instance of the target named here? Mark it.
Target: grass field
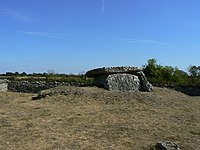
(90, 118)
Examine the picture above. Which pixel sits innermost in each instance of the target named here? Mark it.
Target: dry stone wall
(35, 87)
(189, 90)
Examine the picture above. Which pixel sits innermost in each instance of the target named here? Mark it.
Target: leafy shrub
(158, 74)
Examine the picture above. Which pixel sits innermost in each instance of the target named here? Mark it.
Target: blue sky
(73, 36)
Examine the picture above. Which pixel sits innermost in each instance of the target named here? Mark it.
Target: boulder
(122, 82)
(3, 85)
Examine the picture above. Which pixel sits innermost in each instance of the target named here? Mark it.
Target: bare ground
(89, 118)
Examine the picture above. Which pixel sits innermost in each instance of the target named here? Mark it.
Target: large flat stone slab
(122, 82)
(112, 70)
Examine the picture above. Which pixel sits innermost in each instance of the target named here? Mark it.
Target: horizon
(77, 36)
(84, 72)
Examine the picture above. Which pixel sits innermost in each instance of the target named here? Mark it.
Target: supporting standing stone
(122, 82)
(145, 85)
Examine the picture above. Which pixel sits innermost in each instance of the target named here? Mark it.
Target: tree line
(158, 74)
(155, 73)
(48, 77)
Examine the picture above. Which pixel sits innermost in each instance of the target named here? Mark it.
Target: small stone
(3, 85)
(167, 145)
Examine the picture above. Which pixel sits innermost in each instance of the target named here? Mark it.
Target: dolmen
(120, 79)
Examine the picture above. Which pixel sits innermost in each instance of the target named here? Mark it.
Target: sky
(74, 36)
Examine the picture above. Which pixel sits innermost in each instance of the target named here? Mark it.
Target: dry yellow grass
(90, 118)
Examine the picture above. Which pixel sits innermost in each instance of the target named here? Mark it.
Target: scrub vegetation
(168, 75)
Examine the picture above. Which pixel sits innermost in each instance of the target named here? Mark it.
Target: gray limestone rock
(145, 85)
(3, 85)
(167, 145)
(122, 82)
(112, 70)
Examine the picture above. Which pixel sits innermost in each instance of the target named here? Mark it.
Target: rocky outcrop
(3, 85)
(120, 79)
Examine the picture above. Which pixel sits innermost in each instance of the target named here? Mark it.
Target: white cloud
(102, 6)
(44, 34)
(142, 41)
(54, 35)
(59, 35)
(16, 15)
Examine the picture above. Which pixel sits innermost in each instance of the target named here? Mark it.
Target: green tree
(150, 69)
(158, 74)
(167, 73)
(194, 70)
(9, 74)
(23, 74)
(179, 76)
(16, 73)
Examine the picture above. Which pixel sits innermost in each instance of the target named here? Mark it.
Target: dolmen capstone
(120, 78)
